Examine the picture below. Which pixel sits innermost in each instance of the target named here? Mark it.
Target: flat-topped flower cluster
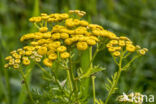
(60, 32)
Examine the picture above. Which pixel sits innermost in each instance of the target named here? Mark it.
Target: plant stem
(27, 87)
(69, 79)
(93, 84)
(93, 77)
(115, 81)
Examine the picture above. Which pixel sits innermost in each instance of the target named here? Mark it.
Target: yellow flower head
(52, 56)
(55, 36)
(111, 49)
(130, 48)
(43, 29)
(91, 42)
(47, 62)
(114, 42)
(122, 43)
(61, 49)
(16, 66)
(82, 46)
(68, 41)
(28, 53)
(38, 59)
(8, 58)
(42, 51)
(65, 55)
(17, 61)
(116, 53)
(26, 61)
(64, 35)
(142, 52)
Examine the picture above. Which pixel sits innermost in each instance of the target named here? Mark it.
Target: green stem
(93, 84)
(115, 81)
(73, 81)
(55, 80)
(26, 85)
(128, 64)
(93, 77)
(69, 79)
(23, 94)
(35, 24)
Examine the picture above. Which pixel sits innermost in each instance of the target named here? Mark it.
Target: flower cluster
(135, 98)
(115, 46)
(51, 43)
(22, 56)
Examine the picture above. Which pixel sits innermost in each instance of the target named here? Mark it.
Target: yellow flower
(52, 56)
(6, 65)
(37, 19)
(94, 38)
(28, 53)
(76, 22)
(83, 23)
(109, 45)
(11, 61)
(56, 44)
(55, 36)
(22, 52)
(8, 58)
(122, 43)
(91, 42)
(65, 55)
(111, 49)
(37, 59)
(17, 61)
(25, 58)
(138, 47)
(69, 22)
(32, 19)
(16, 66)
(26, 61)
(97, 32)
(14, 55)
(68, 41)
(45, 17)
(64, 35)
(124, 38)
(46, 35)
(129, 42)
(65, 15)
(116, 53)
(142, 52)
(145, 49)
(52, 50)
(130, 48)
(114, 42)
(43, 29)
(82, 46)
(34, 43)
(61, 49)
(47, 62)
(42, 51)
(117, 48)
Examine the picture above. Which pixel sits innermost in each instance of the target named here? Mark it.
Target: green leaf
(99, 101)
(92, 71)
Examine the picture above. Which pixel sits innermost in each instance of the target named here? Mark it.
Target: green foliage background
(133, 18)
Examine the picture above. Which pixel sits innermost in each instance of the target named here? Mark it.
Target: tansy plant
(64, 42)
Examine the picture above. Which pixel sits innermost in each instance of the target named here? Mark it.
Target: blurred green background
(133, 18)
